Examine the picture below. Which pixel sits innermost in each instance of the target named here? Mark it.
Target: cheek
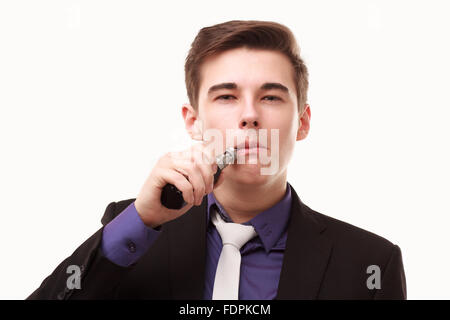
(287, 141)
(287, 138)
(220, 120)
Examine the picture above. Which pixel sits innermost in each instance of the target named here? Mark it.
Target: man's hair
(249, 34)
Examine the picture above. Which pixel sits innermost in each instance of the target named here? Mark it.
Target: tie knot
(234, 234)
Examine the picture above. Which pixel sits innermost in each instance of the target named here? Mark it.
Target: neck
(242, 202)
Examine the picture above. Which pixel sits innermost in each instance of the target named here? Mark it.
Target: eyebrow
(265, 87)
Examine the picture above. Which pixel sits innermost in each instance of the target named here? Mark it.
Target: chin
(249, 174)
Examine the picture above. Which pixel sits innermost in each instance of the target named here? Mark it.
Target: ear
(304, 122)
(193, 124)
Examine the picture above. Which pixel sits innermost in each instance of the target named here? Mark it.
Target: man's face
(249, 107)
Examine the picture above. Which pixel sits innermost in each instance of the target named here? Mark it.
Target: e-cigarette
(172, 198)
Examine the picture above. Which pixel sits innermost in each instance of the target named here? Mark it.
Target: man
(246, 76)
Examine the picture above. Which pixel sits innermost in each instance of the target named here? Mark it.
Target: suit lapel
(306, 254)
(187, 253)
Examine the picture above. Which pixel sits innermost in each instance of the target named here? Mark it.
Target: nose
(248, 123)
(249, 119)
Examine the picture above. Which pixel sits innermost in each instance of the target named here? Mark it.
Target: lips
(247, 151)
(249, 145)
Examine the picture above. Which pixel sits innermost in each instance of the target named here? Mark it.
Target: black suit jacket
(324, 259)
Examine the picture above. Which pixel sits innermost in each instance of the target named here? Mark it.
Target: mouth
(247, 145)
(246, 151)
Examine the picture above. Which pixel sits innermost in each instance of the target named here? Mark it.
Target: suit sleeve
(99, 276)
(393, 281)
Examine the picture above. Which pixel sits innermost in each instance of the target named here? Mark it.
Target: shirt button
(131, 247)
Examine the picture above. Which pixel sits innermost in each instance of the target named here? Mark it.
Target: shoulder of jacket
(347, 235)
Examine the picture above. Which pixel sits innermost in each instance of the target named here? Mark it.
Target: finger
(181, 182)
(205, 156)
(212, 149)
(194, 176)
(206, 162)
(207, 170)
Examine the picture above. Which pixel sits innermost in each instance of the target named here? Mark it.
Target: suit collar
(304, 263)
(269, 224)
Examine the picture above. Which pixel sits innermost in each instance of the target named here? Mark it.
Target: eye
(275, 98)
(224, 96)
(272, 98)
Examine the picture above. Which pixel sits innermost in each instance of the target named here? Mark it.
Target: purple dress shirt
(126, 238)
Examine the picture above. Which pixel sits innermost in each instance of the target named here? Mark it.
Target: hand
(191, 171)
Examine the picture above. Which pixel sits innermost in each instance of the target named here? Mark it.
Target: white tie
(234, 236)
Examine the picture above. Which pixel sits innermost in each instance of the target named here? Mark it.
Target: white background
(91, 95)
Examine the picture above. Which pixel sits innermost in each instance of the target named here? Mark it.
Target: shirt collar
(269, 224)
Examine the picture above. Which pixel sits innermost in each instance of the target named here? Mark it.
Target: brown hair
(248, 34)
